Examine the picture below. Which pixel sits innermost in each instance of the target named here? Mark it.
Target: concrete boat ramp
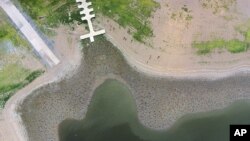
(29, 32)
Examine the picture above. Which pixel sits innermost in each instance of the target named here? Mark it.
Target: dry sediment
(160, 101)
(170, 51)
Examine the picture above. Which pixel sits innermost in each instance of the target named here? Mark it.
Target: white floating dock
(88, 16)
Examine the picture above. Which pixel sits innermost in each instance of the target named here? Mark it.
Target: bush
(3, 32)
(236, 46)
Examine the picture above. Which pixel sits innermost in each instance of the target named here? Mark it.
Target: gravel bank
(160, 101)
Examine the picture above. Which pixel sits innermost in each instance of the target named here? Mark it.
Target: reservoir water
(160, 102)
(112, 116)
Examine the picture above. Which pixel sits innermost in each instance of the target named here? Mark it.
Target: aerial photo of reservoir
(137, 70)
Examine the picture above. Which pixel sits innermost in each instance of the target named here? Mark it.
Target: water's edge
(112, 116)
(159, 102)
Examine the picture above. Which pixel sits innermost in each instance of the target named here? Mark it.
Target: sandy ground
(67, 48)
(170, 52)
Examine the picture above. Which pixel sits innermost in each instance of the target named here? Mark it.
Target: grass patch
(233, 46)
(236, 46)
(247, 36)
(128, 13)
(8, 32)
(52, 13)
(208, 46)
(14, 77)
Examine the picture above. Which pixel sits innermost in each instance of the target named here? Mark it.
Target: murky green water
(112, 116)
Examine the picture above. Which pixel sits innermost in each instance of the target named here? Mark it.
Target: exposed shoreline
(210, 74)
(149, 93)
(154, 102)
(11, 111)
(171, 53)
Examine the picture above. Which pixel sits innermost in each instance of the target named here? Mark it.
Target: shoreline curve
(209, 74)
(11, 113)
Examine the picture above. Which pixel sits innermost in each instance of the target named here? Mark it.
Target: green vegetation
(8, 32)
(128, 13)
(236, 46)
(52, 13)
(233, 46)
(14, 77)
(247, 36)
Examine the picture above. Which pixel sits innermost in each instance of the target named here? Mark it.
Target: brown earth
(170, 51)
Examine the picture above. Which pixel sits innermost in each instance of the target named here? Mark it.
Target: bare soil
(170, 51)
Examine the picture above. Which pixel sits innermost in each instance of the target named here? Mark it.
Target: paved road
(28, 31)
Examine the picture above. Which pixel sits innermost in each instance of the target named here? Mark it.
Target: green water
(112, 116)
